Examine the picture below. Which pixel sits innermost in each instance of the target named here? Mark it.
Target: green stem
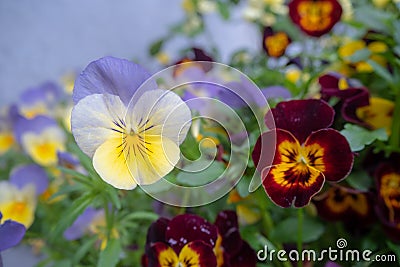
(300, 217)
(395, 135)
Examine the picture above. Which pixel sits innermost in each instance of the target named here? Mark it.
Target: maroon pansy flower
(340, 203)
(275, 43)
(231, 249)
(186, 240)
(388, 205)
(315, 17)
(307, 152)
(351, 94)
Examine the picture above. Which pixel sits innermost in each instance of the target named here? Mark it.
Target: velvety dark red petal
(330, 80)
(351, 104)
(329, 152)
(197, 253)
(189, 227)
(301, 117)
(228, 228)
(246, 257)
(315, 18)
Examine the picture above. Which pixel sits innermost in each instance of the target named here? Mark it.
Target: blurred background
(45, 39)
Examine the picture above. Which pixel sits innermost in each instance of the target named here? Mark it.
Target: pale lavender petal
(110, 75)
(35, 125)
(30, 174)
(11, 233)
(276, 92)
(79, 227)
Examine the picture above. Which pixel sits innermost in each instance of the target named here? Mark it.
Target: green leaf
(360, 55)
(84, 249)
(110, 256)
(142, 215)
(156, 47)
(360, 180)
(396, 249)
(223, 9)
(70, 215)
(381, 71)
(374, 18)
(114, 198)
(286, 231)
(359, 137)
(197, 178)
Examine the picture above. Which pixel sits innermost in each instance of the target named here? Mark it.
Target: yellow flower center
(315, 16)
(276, 44)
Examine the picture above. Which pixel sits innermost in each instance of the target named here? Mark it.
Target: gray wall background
(43, 39)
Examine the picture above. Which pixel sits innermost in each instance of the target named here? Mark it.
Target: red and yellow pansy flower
(307, 152)
(315, 17)
(388, 205)
(186, 240)
(340, 203)
(275, 43)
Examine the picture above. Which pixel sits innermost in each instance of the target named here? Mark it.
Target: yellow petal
(160, 157)
(6, 141)
(111, 164)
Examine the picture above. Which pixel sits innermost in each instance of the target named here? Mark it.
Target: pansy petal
(30, 174)
(197, 253)
(111, 75)
(246, 257)
(155, 157)
(95, 119)
(228, 228)
(80, 225)
(160, 112)
(188, 227)
(113, 166)
(11, 233)
(292, 184)
(330, 153)
(161, 255)
(301, 117)
(156, 232)
(35, 125)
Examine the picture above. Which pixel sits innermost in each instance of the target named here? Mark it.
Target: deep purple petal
(228, 228)
(188, 227)
(11, 233)
(79, 227)
(112, 76)
(246, 257)
(30, 174)
(301, 117)
(156, 232)
(35, 125)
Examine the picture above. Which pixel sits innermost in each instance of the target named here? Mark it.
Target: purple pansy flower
(30, 174)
